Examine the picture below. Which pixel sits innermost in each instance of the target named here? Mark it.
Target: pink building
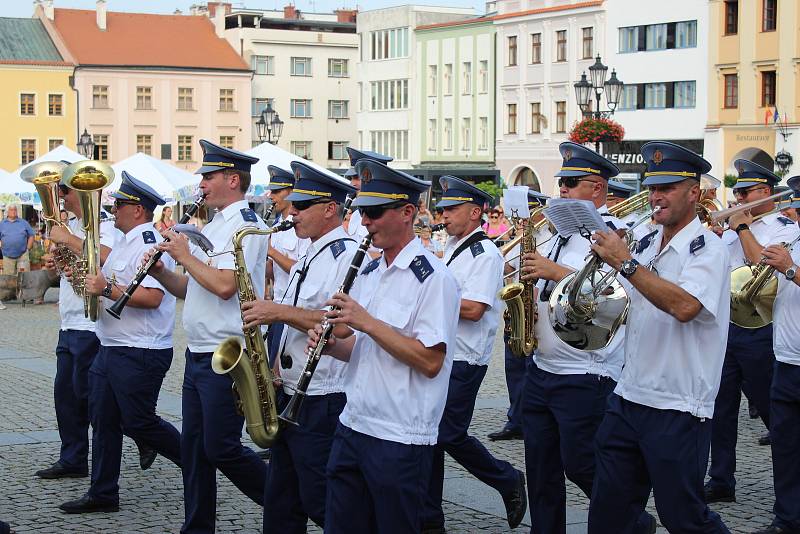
(152, 83)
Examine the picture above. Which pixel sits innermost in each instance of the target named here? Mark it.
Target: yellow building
(753, 80)
(38, 104)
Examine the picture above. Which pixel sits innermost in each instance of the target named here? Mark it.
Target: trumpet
(721, 215)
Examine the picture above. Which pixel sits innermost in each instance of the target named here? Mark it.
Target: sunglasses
(747, 191)
(118, 203)
(494, 217)
(303, 205)
(376, 212)
(571, 181)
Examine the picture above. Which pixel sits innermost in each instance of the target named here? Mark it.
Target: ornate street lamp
(269, 125)
(613, 90)
(582, 91)
(597, 83)
(86, 145)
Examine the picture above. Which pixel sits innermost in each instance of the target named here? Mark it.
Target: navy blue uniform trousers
(639, 448)
(515, 382)
(785, 431)
(75, 353)
(454, 439)
(561, 415)
(123, 391)
(296, 484)
(749, 361)
(375, 486)
(211, 440)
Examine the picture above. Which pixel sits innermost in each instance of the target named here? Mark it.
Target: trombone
(718, 216)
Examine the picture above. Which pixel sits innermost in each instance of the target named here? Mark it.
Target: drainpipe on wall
(77, 104)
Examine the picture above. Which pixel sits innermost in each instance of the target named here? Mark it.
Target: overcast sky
(24, 8)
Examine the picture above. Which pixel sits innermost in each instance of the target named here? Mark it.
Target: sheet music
(571, 216)
(515, 202)
(193, 234)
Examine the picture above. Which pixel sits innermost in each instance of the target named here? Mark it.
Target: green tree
(492, 188)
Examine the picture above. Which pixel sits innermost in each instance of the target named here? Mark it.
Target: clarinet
(290, 413)
(116, 309)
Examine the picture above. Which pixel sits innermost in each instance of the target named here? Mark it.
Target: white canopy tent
(15, 189)
(269, 154)
(172, 183)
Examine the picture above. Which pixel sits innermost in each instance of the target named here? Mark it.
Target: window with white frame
(511, 118)
(629, 98)
(483, 124)
(388, 95)
(226, 141)
(185, 99)
(144, 98)
(484, 76)
(466, 134)
(302, 149)
(629, 39)
(656, 37)
(144, 144)
(27, 150)
(300, 108)
(100, 96)
(561, 116)
(448, 134)
(536, 48)
(338, 150)
(685, 94)
(337, 109)
(185, 144)
(55, 104)
(512, 51)
(101, 146)
(431, 135)
(536, 117)
(263, 65)
(27, 104)
(561, 45)
(686, 34)
(390, 142)
(466, 76)
(447, 79)
(389, 44)
(433, 73)
(226, 100)
(337, 68)
(258, 105)
(300, 66)
(53, 143)
(655, 95)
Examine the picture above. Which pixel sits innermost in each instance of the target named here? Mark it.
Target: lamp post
(86, 145)
(269, 125)
(597, 83)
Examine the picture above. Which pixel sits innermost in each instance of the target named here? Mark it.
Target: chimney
(346, 15)
(101, 14)
(219, 20)
(49, 12)
(290, 12)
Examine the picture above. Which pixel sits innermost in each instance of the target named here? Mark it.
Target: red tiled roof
(145, 40)
(565, 7)
(454, 23)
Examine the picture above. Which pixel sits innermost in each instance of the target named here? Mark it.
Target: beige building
(753, 49)
(154, 84)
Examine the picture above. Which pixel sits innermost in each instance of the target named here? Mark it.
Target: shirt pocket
(395, 315)
(310, 296)
(118, 272)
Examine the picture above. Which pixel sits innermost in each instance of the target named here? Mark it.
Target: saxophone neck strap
(471, 240)
(304, 271)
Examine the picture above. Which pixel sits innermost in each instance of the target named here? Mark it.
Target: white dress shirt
(386, 398)
(208, 319)
(288, 244)
(672, 365)
(70, 305)
(478, 270)
(556, 356)
(770, 230)
(786, 317)
(324, 276)
(138, 327)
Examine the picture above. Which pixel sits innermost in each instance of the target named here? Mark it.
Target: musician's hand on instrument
(158, 267)
(744, 217)
(49, 262)
(95, 284)
(349, 312)
(534, 266)
(59, 235)
(258, 312)
(777, 256)
(314, 336)
(611, 248)
(717, 229)
(177, 246)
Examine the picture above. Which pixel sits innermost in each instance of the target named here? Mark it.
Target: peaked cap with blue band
(313, 184)
(668, 163)
(751, 173)
(217, 158)
(456, 191)
(794, 184)
(383, 185)
(279, 178)
(134, 190)
(709, 182)
(356, 155)
(536, 199)
(582, 161)
(619, 190)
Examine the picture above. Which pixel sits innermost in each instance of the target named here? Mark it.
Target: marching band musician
(514, 365)
(478, 268)
(75, 352)
(566, 388)
(617, 192)
(404, 310)
(135, 352)
(656, 429)
(212, 428)
(785, 389)
(749, 358)
(295, 486)
(284, 247)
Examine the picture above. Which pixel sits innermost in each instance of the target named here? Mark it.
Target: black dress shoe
(505, 434)
(433, 529)
(765, 439)
(717, 494)
(88, 504)
(147, 456)
(59, 471)
(516, 503)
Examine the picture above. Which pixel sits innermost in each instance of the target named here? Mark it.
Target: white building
(543, 46)
(303, 66)
(661, 55)
(389, 114)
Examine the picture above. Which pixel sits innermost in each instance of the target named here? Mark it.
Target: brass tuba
(45, 177)
(519, 296)
(88, 178)
(587, 307)
(248, 365)
(753, 292)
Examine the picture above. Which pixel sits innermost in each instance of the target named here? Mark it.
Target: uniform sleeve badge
(698, 243)
(248, 215)
(149, 237)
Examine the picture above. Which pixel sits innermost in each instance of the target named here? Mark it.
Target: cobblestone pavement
(151, 501)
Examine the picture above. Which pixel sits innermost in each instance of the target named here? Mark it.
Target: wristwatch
(791, 272)
(741, 227)
(108, 289)
(628, 267)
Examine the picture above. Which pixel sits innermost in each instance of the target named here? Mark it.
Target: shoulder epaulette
(645, 242)
(421, 268)
(149, 236)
